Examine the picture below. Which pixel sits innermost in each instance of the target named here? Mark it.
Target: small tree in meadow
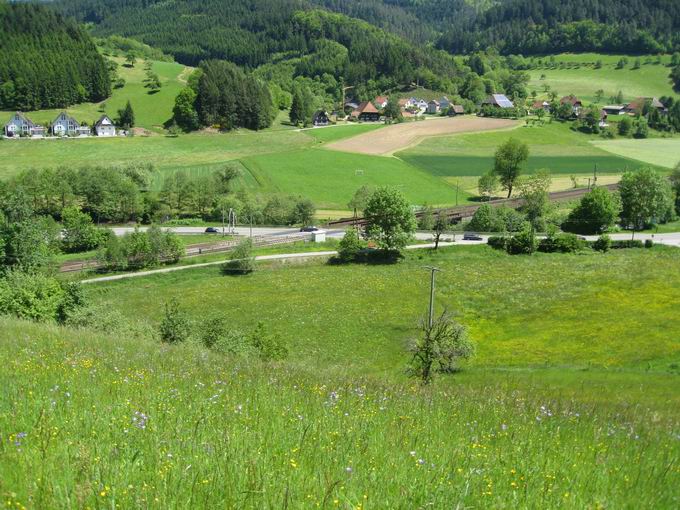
(269, 345)
(175, 326)
(390, 220)
(509, 159)
(440, 349)
(242, 260)
(350, 245)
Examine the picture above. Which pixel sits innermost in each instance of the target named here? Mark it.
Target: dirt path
(387, 141)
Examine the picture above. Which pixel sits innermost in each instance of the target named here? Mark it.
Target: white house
(421, 104)
(64, 125)
(433, 106)
(105, 126)
(20, 125)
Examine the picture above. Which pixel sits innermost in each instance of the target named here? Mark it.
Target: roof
(458, 108)
(68, 117)
(381, 99)
(571, 99)
(403, 102)
(540, 104)
(498, 99)
(614, 107)
(365, 107)
(434, 101)
(101, 119)
(24, 118)
(639, 103)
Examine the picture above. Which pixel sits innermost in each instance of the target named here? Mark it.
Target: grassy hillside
(104, 422)
(554, 310)
(651, 80)
(661, 152)
(151, 110)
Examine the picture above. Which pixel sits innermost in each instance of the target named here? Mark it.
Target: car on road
(212, 230)
(309, 229)
(471, 236)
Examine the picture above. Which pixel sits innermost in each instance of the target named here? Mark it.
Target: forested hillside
(47, 61)
(548, 26)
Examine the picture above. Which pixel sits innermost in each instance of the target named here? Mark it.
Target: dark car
(309, 229)
(471, 236)
(212, 230)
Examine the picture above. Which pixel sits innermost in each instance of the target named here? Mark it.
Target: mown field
(151, 110)
(662, 152)
(651, 80)
(572, 402)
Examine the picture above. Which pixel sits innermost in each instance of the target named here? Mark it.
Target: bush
(497, 242)
(350, 245)
(603, 243)
(626, 243)
(649, 243)
(562, 243)
(242, 260)
(175, 326)
(269, 346)
(32, 296)
(523, 243)
(107, 320)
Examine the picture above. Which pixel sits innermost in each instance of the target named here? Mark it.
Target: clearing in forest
(386, 141)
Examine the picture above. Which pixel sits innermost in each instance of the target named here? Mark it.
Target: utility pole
(456, 192)
(432, 270)
(595, 175)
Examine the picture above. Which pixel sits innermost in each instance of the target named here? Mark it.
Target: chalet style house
(498, 101)
(105, 126)
(637, 106)
(20, 125)
(366, 112)
(575, 102)
(380, 102)
(541, 105)
(320, 118)
(65, 125)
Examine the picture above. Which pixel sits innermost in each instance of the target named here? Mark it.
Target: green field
(572, 401)
(151, 110)
(553, 146)
(330, 178)
(529, 311)
(651, 80)
(660, 152)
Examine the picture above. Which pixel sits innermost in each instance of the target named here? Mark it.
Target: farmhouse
(105, 126)
(541, 105)
(433, 106)
(380, 102)
(404, 103)
(637, 106)
(366, 112)
(498, 101)
(455, 109)
(320, 118)
(421, 104)
(64, 125)
(20, 125)
(614, 109)
(574, 101)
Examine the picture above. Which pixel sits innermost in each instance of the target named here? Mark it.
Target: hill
(47, 61)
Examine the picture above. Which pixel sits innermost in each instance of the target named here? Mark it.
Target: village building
(575, 102)
(444, 103)
(404, 103)
(614, 109)
(65, 125)
(433, 106)
(637, 106)
(380, 102)
(105, 126)
(20, 125)
(455, 109)
(541, 105)
(366, 112)
(421, 104)
(498, 101)
(320, 118)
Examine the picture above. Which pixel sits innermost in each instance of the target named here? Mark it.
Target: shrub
(212, 330)
(649, 243)
(107, 320)
(497, 242)
(32, 296)
(350, 245)
(562, 243)
(242, 260)
(269, 346)
(603, 243)
(522, 243)
(175, 326)
(626, 243)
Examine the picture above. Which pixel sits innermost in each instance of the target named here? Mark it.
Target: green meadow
(662, 152)
(572, 401)
(152, 110)
(651, 80)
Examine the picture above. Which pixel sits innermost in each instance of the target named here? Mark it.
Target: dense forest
(550, 26)
(47, 61)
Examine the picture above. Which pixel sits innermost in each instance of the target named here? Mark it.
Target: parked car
(309, 229)
(212, 230)
(471, 236)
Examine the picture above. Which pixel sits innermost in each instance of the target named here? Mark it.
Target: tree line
(47, 61)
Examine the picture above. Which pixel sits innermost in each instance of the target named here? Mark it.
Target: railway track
(456, 214)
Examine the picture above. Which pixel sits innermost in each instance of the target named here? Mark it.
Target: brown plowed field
(387, 141)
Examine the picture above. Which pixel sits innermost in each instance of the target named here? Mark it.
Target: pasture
(651, 80)
(152, 110)
(662, 152)
(573, 380)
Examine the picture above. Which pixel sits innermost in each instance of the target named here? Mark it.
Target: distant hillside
(554, 26)
(47, 61)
